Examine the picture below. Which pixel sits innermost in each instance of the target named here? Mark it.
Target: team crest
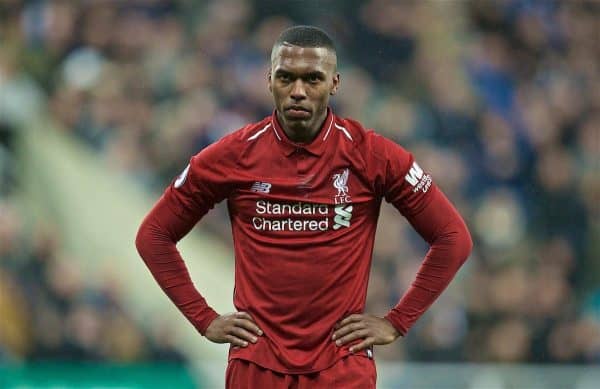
(340, 182)
(343, 206)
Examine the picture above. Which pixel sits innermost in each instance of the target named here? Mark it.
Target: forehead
(302, 59)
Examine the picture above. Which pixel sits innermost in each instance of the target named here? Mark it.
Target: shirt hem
(296, 371)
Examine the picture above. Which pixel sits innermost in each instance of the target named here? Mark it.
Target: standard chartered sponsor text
(297, 208)
(264, 207)
(289, 224)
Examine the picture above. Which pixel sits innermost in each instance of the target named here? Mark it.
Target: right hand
(237, 328)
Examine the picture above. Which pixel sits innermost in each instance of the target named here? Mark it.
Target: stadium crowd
(49, 308)
(499, 100)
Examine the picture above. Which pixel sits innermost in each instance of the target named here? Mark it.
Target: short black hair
(305, 36)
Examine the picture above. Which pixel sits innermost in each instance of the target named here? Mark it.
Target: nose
(298, 91)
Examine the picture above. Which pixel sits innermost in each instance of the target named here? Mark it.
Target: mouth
(297, 112)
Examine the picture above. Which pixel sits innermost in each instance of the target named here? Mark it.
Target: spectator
(505, 93)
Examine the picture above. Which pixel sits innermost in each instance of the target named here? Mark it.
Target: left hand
(372, 329)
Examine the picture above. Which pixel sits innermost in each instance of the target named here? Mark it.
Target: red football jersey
(303, 219)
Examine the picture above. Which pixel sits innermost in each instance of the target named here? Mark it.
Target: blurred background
(103, 102)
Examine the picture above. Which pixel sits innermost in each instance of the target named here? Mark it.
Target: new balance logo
(343, 214)
(414, 174)
(261, 187)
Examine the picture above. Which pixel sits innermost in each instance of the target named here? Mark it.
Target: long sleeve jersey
(303, 219)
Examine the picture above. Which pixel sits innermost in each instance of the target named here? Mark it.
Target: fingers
(243, 330)
(241, 333)
(369, 329)
(368, 342)
(237, 328)
(234, 340)
(358, 334)
(248, 324)
(243, 315)
(346, 329)
(349, 319)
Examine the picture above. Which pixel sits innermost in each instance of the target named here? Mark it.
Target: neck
(300, 133)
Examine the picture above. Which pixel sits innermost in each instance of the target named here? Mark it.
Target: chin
(298, 122)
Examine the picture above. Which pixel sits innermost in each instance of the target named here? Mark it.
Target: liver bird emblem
(340, 182)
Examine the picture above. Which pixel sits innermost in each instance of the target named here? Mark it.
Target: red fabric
(303, 220)
(353, 371)
(156, 239)
(443, 228)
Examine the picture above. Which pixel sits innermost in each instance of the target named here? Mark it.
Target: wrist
(396, 323)
(208, 317)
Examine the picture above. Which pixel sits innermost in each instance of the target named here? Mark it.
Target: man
(303, 188)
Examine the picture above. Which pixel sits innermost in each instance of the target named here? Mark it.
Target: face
(301, 80)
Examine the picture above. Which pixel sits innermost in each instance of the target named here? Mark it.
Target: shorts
(352, 371)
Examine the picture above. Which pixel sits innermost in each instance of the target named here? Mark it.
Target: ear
(335, 85)
(269, 81)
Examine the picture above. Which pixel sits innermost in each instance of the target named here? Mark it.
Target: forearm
(156, 243)
(441, 225)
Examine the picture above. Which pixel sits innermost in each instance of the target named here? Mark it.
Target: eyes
(283, 77)
(311, 78)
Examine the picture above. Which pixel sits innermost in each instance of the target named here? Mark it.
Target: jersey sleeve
(402, 182)
(201, 185)
(411, 190)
